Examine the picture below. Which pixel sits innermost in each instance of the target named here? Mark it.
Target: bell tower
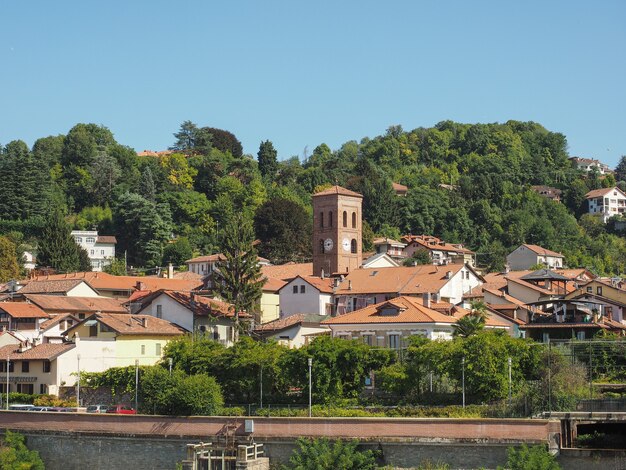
(337, 242)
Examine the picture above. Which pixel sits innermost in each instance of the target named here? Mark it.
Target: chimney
(322, 273)
(144, 322)
(170, 271)
(350, 285)
(448, 274)
(426, 299)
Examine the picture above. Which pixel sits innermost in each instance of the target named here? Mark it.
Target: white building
(606, 202)
(587, 164)
(308, 294)
(100, 248)
(525, 256)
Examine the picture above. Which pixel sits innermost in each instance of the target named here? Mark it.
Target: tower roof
(337, 190)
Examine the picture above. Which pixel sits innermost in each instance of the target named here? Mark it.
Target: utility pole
(136, 384)
(8, 365)
(310, 381)
(510, 383)
(78, 384)
(261, 388)
(171, 361)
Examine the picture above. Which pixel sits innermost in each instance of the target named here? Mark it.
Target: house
(100, 248)
(270, 300)
(554, 194)
(307, 294)
(392, 248)
(606, 202)
(570, 319)
(29, 258)
(371, 286)
(204, 265)
(391, 322)
(588, 164)
(193, 313)
(81, 307)
(295, 330)
(22, 317)
(609, 298)
(400, 189)
(39, 369)
(106, 340)
(536, 286)
(441, 253)
(121, 287)
(525, 256)
(379, 260)
(51, 330)
(59, 287)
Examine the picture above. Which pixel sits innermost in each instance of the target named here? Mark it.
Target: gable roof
(46, 351)
(51, 286)
(434, 244)
(324, 285)
(106, 239)
(309, 319)
(401, 280)
(206, 259)
(105, 281)
(203, 306)
(337, 190)
(56, 319)
(22, 310)
(136, 325)
(76, 304)
(410, 310)
(288, 271)
(542, 251)
(603, 192)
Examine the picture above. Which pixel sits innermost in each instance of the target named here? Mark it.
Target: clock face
(345, 244)
(328, 244)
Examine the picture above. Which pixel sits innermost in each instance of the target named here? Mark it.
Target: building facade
(100, 248)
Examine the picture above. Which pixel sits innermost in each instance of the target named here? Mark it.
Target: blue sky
(303, 73)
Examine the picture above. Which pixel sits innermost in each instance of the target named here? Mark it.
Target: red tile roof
(288, 271)
(206, 258)
(323, 285)
(291, 320)
(59, 303)
(337, 190)
(602, 192)
(203, 305)
(126, 324)
(435, 244)
(46, 351)
(542, 251)
(50, 286)
(23, 310)
(106, 239)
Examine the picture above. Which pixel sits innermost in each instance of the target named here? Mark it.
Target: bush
(14, 455)
(313, 454)
(53, 400)
(533, 457)
(23, 398)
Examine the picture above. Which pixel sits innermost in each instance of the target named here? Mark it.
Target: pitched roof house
(441, 252)
(306, 294)
(606, 202)
(23, 317)
(295, 330)
(390, 323)
(525, 256)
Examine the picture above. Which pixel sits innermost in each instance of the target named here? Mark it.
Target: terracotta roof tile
(22, 310)
(288, 271)
(46, 351)
(542, 251)
(337, 190)
(126, 324)
(291, 320)
(203, 305)
(56, 319)
(433, 243)
(58, 303)
(58, 286)
(106, 239)
(206, 258)
(601, 192)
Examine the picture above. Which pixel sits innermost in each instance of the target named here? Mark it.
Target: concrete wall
(311, 301)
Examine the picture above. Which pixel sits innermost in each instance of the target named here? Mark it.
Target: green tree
(185, 137)
(177, 252)
(467, 326)
(284, 228)
(420, 256)
(147, 186)
(14, 455)
(620, 169)
(116, 268)
(225, 141)
(268, 161)
(57, 247)
(9, 266)
(322, 453)
(237, 277)
(178, 393)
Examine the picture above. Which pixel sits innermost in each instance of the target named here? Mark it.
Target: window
(322, 246)
(302, 289)
(467, 275)
(90, 240)
(25, 366)
(353, 246)
(330, 219)
(590, 290)
(295, 289)
(345, 219)
(367, 339)
(321, 219)
(354, 220)
(92, 252)
(25, 388)
(599, 290)
(159, 312)
(580, 335)
(93, 331)
(394, 341)
(216, 333)
(101, 252)
(143, 349)
(43, 389)
(46, 366)
(158, 349)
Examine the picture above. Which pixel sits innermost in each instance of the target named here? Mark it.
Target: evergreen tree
(185, 137)
(147, 188)
(57, 247)
(9, 267)
(620, 169)
(238, 279)
(268, 162)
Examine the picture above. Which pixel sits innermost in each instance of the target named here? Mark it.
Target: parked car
(97, 408)
(121, 410)
(20, 407)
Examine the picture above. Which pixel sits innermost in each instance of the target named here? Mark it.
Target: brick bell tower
(337, 241)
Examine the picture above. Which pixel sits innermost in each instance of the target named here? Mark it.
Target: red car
(121, 410)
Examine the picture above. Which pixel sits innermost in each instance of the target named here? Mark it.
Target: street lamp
(8, 365)
(510, 383)
(463, 378)
(261, 388)
(310, 368)
(136, 384)
(171, 361)
(78, 383)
